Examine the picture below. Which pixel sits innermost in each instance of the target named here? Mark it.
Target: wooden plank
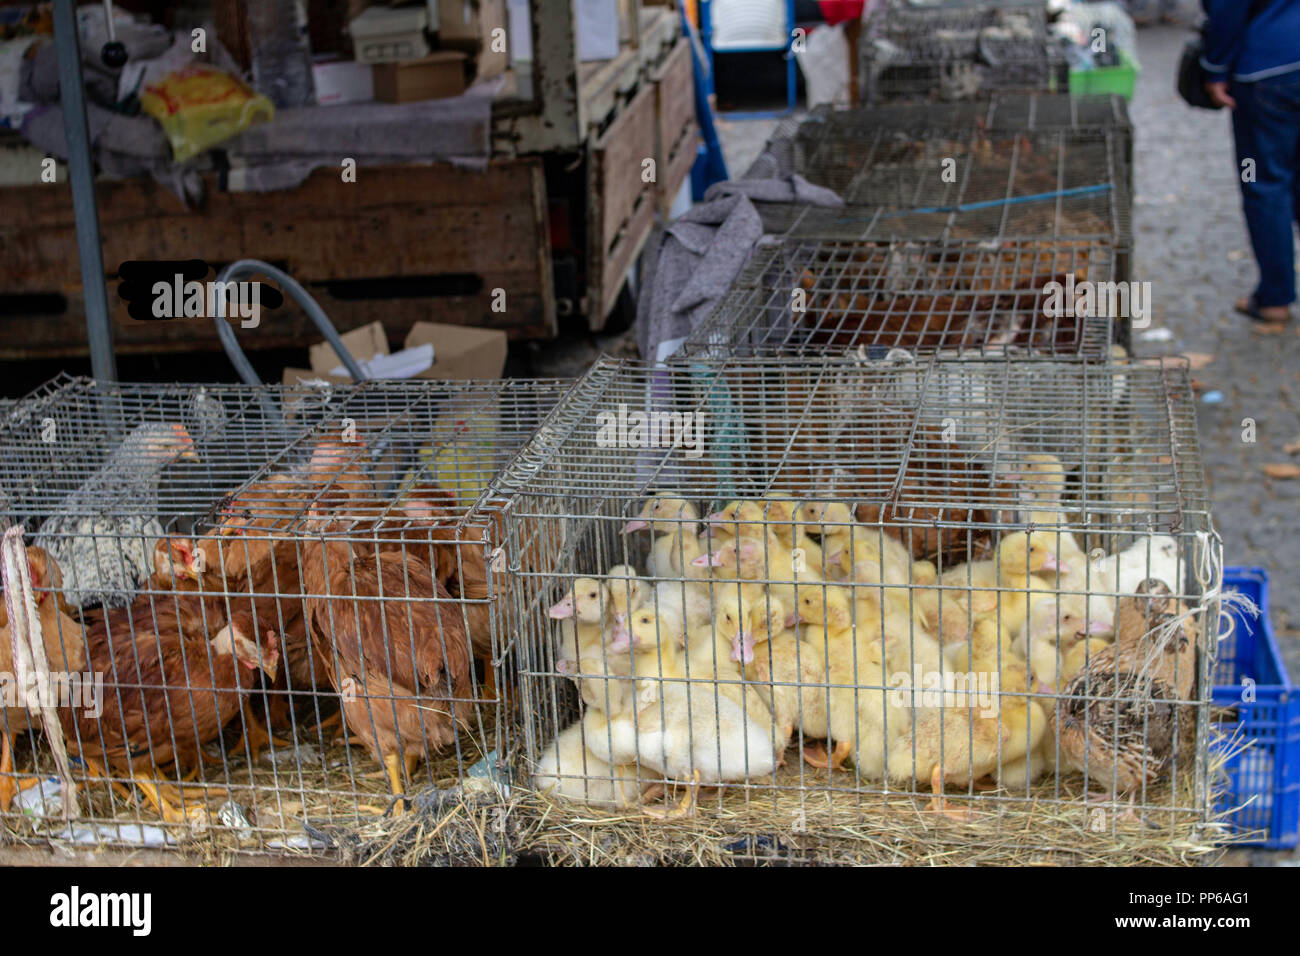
(64, 335)
(621, 204)
(484, 230)
(677, 133)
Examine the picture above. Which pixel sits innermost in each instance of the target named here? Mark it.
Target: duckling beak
(564, 667)
(562, 610)
(1098, 627)
(1050, 563)
(716, 517)
(712, 560)
(742, 647)
(637, 524)
(622, 639)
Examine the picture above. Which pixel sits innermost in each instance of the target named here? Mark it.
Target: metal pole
(81, 177)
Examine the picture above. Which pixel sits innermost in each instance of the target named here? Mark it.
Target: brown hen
(395, 647)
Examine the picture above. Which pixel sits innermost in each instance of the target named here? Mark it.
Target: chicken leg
(255, 736)
(395, 782)
(7, 789)
(164, 799)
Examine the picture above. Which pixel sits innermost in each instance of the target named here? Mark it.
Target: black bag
(1191, 75)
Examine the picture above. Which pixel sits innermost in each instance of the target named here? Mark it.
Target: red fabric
(838, 11)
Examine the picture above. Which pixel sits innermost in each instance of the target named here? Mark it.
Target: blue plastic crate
(1267, 771)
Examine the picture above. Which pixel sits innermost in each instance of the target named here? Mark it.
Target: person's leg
(1267, 133)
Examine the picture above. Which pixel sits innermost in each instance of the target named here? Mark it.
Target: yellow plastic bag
(201, 106)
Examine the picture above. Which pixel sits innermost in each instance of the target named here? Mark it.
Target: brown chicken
(394, 644)
(935, 471)
(167, 692)
(65, 652)
(267, 591)
(1126, 716)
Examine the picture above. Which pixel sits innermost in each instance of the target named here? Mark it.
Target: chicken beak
(271, 665)
(636, 524)
(562, 610)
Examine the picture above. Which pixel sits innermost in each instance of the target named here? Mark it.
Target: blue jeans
(1266, 124)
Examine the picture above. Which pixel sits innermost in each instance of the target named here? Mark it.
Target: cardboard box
(383, 35)
(469, 25)
(364, 344)
(342, 81)
(459, 351)
(435, 77)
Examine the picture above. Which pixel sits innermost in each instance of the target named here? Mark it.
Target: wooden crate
(400, 244)
(621, 203)
(677, 134)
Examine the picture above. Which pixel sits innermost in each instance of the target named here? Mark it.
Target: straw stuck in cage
(282, 601)
(824, 588)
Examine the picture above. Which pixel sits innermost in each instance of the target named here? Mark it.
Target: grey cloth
(123, 147)
(283, 153)
(692, 263)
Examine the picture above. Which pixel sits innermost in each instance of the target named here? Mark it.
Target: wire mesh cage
(256, 613)
(819, 136)
(958, 53)
(814, 297)
(973, 185)
(789, 582)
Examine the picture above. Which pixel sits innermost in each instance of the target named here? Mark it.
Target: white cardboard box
(343, 81)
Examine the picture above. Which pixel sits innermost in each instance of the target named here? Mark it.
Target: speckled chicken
(102, 533)
(1131, 736)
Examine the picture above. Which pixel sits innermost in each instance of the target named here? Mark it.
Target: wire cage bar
(813, 297)
(975, 185)
(276, 605)
(825, 131)
(958, 53)
(770, 575)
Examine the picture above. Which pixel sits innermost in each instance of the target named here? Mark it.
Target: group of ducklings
(790, 617)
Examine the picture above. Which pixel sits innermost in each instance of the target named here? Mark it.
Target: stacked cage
(847, 130)
(961, 52)
(255, 613)
(838, 592)
(810, 297)
(961, 184)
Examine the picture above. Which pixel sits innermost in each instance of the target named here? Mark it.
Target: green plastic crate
(1120, 79)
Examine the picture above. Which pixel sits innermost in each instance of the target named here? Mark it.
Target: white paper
(407, 363)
